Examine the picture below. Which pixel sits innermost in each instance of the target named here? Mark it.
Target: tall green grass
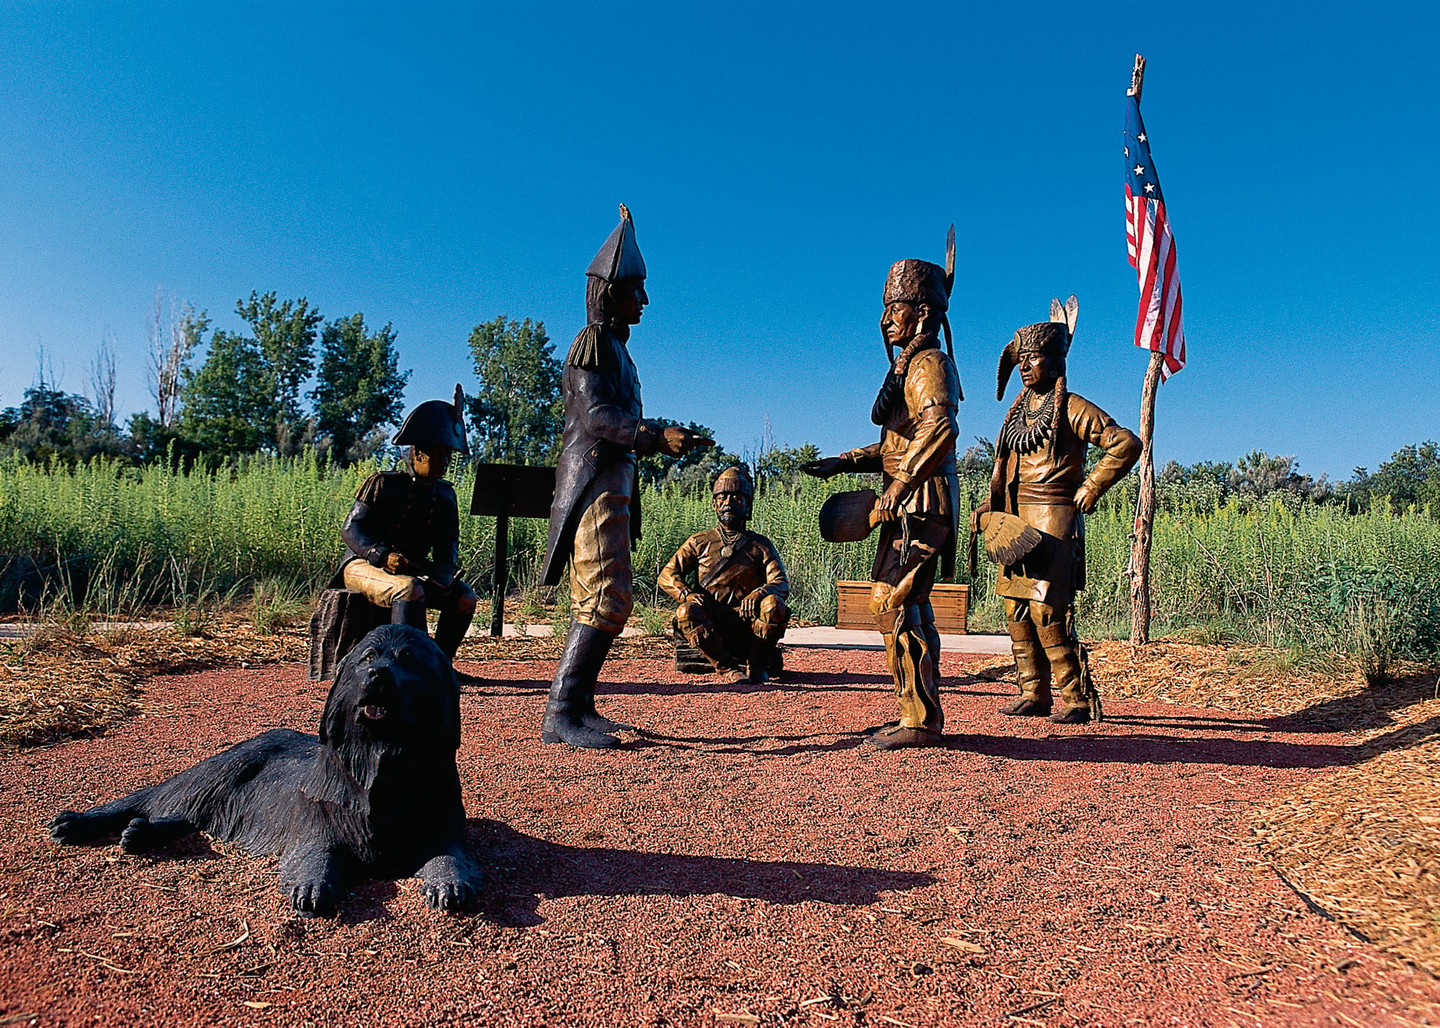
(109, 540)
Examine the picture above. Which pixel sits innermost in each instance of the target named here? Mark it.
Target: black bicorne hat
(436, 423)
(620, 256)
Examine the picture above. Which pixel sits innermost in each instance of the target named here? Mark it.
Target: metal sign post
(503, 491)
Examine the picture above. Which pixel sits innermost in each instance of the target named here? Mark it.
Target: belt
(1045, 494)
(892, 460)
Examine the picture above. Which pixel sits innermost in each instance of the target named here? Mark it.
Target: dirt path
(744, 862)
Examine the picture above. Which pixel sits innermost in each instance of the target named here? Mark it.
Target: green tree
(147, 441)
(359, 386)
(285, 343)
(1410, 478)
(696, 469)
(228, 405)
(780, 465)
(52, 423)
(519, 413)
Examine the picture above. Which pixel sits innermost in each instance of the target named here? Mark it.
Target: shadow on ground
(521, 869)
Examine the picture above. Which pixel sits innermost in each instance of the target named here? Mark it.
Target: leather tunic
(755, 564)
(917, 441)
(1040, 488)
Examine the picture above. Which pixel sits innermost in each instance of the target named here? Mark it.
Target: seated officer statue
(404, 530)
(737, 614)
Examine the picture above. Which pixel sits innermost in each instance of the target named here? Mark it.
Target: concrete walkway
(852, 639)
(820, 637)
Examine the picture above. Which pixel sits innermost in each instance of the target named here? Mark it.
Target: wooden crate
(951, 603)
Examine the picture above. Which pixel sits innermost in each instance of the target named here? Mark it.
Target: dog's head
(394, 694)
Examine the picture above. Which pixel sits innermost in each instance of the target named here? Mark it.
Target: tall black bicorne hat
(436, 423)
(620, 256)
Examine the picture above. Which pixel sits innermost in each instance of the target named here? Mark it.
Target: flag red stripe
(1159, 325)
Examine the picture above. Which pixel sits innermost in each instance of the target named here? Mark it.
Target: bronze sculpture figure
(404, 529)
(595, 517)
(1034, 519)
(916, 410)
(736, 613)
(374, 793)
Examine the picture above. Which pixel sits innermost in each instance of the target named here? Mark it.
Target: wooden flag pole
(1145, 505)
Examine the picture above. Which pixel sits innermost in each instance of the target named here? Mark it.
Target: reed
(102, 540)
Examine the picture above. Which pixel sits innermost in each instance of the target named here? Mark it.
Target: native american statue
(403, 531)
(916, 410)
(735, 614)
(1034, 520)
(595, 517)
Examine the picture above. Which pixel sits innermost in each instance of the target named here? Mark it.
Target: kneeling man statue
(736, 613)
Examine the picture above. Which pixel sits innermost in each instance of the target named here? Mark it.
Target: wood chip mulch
(60, 682)
(1362, 843)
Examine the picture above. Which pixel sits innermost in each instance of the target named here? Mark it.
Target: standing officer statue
(595, 517)
(916, 410)
(404, 529)
(736, 613)
(1034, 520)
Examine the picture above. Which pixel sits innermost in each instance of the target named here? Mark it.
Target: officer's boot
(572, 694)
(409, 612)
(912, 664)
(1032, 671)
(590, 717)
(1063, 654)
(451, 628)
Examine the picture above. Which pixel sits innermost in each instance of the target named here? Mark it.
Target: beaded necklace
(1025, 430)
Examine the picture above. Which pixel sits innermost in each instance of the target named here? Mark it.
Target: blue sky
(437, 165)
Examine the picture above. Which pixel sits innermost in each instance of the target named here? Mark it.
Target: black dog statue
(377, 794)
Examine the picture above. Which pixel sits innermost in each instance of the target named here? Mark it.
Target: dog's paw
(315, 898)
(71, 826)
(450, 895)
(449, 882)
(138, 836)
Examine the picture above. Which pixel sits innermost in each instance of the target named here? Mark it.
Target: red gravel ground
(742, 861)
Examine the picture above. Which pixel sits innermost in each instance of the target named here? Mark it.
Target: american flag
(1159, 325)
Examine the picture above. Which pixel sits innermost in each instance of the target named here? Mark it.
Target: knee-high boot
(590, 717)
(409, 612)
(1032, 672)
(451, 629)
(572, 693)
(1062, 651)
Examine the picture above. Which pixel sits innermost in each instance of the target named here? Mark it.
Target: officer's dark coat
(395, 510)
(603, 427)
